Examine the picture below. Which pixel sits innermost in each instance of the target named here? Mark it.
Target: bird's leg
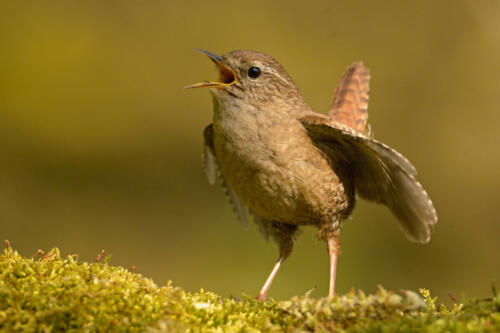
(265, 288)
(283, 235)
(333, 242)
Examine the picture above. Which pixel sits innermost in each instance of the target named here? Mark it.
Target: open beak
(227, 76)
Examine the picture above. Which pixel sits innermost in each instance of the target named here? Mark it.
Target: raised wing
(350, 102)
(212, 172)
(381, 174)
(208, 160)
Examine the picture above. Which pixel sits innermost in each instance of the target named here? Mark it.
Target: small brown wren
(290, 166)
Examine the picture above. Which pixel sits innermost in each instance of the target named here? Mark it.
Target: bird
(289, 166)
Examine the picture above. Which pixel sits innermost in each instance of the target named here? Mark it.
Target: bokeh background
(100, 144)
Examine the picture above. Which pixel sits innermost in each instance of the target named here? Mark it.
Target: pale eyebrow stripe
(269, 70)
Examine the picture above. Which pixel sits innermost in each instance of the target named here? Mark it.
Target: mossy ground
(47, 293)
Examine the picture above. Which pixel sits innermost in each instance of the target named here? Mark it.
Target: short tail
(350, 102)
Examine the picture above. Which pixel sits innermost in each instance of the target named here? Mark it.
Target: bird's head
(252, 77)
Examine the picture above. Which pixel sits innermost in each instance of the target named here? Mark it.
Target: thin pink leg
(333, 250)
(265, 288)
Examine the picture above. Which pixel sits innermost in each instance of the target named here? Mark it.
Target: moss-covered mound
(48, 293)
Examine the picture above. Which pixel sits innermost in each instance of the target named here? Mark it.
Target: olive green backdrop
(100, 144)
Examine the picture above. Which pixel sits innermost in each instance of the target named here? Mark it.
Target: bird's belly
(293, 185)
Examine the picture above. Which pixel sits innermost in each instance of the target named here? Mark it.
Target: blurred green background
(100, 144)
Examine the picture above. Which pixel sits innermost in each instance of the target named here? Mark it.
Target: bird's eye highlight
(254, 72)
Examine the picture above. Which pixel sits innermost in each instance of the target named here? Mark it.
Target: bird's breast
(273, 166)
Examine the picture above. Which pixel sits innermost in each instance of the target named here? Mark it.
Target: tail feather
(350, 102)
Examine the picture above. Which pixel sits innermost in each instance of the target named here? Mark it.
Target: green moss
(49, 293)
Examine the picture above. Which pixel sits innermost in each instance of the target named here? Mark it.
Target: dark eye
(254, 72)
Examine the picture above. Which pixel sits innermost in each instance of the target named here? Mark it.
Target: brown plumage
(290, 166)
(350, 101)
